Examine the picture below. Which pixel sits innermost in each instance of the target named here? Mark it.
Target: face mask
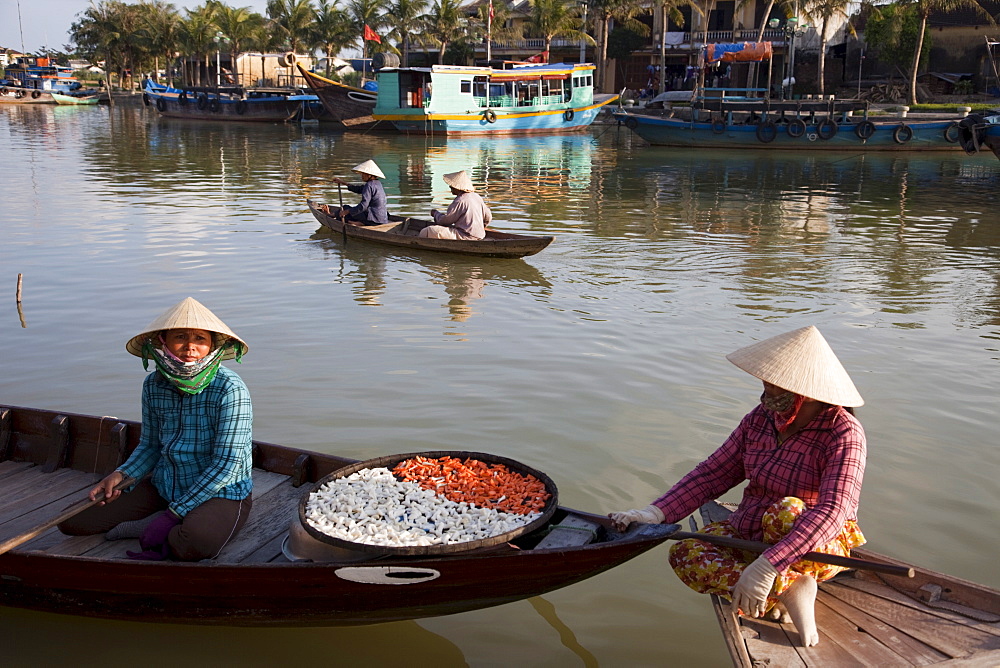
(778, 404)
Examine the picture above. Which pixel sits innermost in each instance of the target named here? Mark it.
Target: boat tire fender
(952, 132)
(490, 116)
(19, 94)
(145, 99)
(631, 123)
(241, 107)
(161, 105)
(202, 101)
(718, 126)
(568, 115)
(827, 129)
(35, 94)
(971, 133)
(767, 131)
(4, 91)
(864, 130)
(796, 127)
(902, 134)
(214, 105)
(182, 98)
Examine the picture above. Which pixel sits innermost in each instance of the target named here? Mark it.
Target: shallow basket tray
(390, 461)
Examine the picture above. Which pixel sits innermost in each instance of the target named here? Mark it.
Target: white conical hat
(460, 181)
(801, 362)
(369, 167)
(188, 314)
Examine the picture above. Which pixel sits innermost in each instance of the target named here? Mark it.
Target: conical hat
(369, 167)
(801, 362)
(460, 181)
(188, 314)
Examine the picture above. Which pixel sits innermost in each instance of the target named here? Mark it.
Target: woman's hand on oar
(108, 489)
(72, 511)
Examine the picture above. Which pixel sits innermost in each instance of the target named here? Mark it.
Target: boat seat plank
(21, 498)
(10, 468)
(267, 553)
(265, 481)
(986, 660)
(24, 519)
(910, 650)
(31, 478)
(936, 630)
(573, 531)
(75, 545)
(769, 644)
(852, 638)
(271, 515)
(829, 652)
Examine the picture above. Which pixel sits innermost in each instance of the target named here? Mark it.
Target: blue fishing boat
(31, 80)
(520, 98)
(226, 103)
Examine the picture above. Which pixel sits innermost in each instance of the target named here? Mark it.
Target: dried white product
(372, 507)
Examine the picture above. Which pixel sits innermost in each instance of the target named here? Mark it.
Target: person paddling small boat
(373, 207)
(803, 452)
(194, 460)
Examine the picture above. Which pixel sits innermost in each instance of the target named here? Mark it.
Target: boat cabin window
(480, 88)
(414, 89)
(465, 86)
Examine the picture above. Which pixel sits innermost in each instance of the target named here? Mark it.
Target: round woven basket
(390, 461)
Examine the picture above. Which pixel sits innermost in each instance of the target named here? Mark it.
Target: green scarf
(188, 378)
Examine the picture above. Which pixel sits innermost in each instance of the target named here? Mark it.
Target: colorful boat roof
(515, 71)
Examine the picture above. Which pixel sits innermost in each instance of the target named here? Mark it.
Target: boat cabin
(38, 73)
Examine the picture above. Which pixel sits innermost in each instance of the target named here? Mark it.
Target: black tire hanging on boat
(145, 99)
(631, 123)
(4, 91)
(796, 127)
(952, 132)
(19, 94)
(972, 133)
(35, 94)
(182, 98)
(161, 105)
(827, 129)
(202, 101)
(490, 116)
(568, 115)
(902, 134)
(718, 126)
(241, 107)
(865, 129)
(215, 105)
(766, 131)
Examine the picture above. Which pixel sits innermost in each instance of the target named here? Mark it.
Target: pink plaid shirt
(822, 464)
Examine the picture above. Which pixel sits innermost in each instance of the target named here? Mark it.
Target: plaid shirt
(198, 446)
(822, 464)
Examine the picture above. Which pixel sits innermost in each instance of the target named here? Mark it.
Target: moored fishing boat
(874, 619)
(226, 103)
(402, 231)
(31, 80)
(75, 99)
(48, 459)
(521, 98)
(351, 107)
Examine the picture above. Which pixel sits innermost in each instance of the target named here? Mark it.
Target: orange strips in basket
(475, 482)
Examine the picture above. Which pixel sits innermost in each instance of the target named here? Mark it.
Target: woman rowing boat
(804, 454)
(196, 443)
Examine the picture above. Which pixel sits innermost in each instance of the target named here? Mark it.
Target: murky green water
(600, 361)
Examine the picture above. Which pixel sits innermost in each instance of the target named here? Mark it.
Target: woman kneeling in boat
(804, 455)
(466, 218)
(373, 207)
(196, 442)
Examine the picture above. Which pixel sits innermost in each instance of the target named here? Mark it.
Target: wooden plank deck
(864, 620)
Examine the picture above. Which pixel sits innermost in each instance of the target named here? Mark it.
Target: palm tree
(291, 21)
(332, 31)
(241, 26)
(198, 36)
(405, 23)
(109, 31)
(160, 31)
(557, 18)
(823, 12)
(623, 13)
(445, 23)
(669, 11)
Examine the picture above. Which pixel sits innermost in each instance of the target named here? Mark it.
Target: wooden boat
(874, 619)
(402, 231)
(351, 107)
(21, 95)
(225, 104)
(75, 99)
(521, 98)
(790, 125)
(34, 80)
(50, 459)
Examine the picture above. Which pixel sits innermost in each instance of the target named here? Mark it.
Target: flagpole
(489, 34)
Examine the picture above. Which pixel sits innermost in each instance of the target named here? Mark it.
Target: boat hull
(206, 107)
(17, 95)
(253, 582)
(71, 100)
(351, 107)
(496, 244)
(894, 135)
(551, 121)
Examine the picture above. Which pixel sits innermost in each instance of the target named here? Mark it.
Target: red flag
(491, 10)
(542, 57)
(371, 35)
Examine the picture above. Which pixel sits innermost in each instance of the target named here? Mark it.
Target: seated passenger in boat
(372, 209)
(194, 458)
(804, 454)
(466, 218)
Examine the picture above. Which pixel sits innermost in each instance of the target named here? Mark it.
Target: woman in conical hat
(466, 218)
(373, 207)
(194, 457)
(803, 453)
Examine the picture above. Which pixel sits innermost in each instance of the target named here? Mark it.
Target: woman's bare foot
(800, 601)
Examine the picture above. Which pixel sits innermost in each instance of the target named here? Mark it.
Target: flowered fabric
(713, 569)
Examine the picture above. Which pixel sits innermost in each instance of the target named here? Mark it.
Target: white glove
(648, 515)
(750, 593)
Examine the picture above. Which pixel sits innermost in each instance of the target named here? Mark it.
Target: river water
(600, 361)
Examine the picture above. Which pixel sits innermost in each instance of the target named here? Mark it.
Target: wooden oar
(343, 221)
(819, 557)
(70, 511)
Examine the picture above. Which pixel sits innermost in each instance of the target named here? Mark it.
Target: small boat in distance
(50, 459)
(873, 619)
(402, 231)
(520, 98)
(351, 107)
(229, 103)
(75, 99)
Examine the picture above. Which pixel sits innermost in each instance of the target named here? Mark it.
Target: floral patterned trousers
(713, 569)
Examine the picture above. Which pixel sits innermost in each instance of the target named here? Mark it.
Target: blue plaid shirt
(198, 446)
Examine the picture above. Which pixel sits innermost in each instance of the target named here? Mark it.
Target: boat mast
(19, 25)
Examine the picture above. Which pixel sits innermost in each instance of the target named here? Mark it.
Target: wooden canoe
(402, 231)
(49, 460)
(872, 619)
